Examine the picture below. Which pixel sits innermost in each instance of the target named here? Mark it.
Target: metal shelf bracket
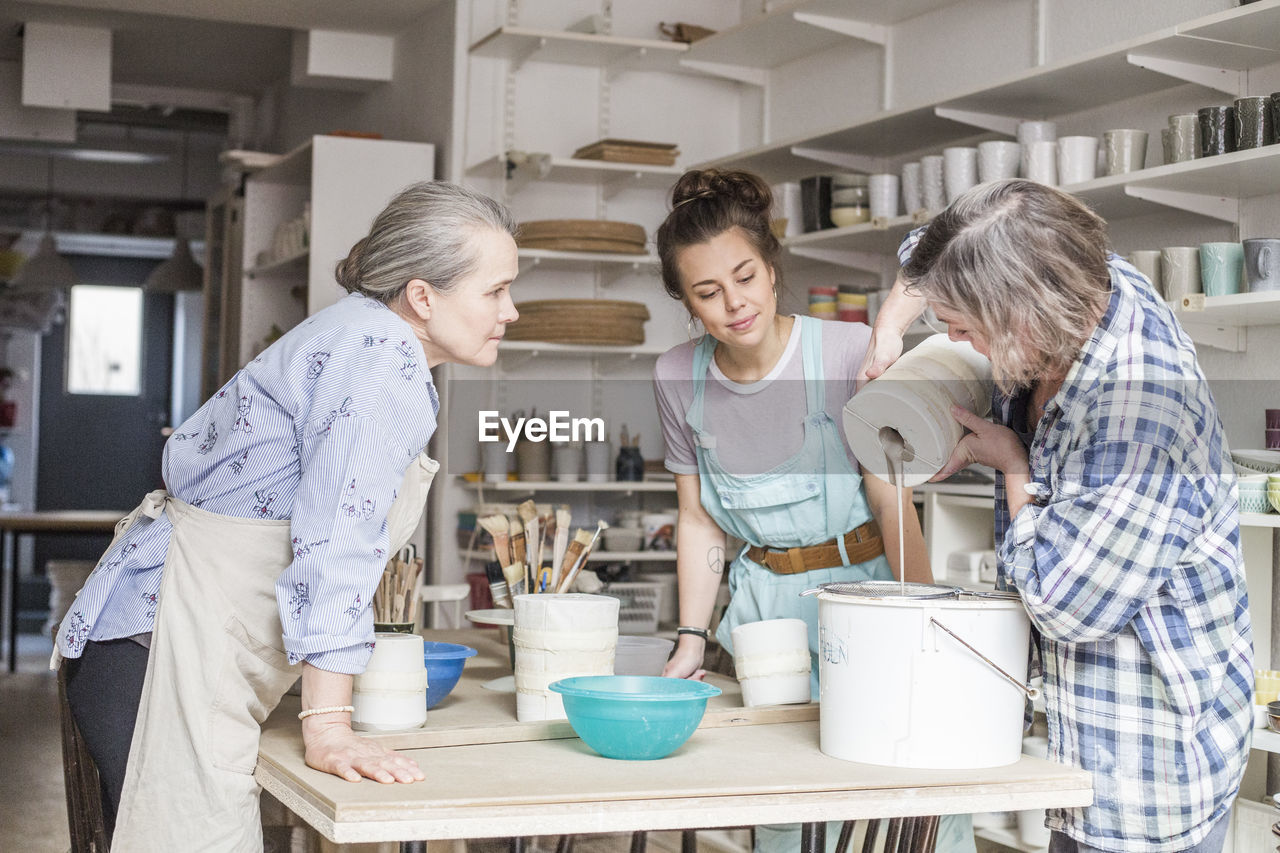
(865, 261)
(750, 76)
(874, 33)
(1214, 207)
(844, 159)
(1008, 125)
(1226, 80)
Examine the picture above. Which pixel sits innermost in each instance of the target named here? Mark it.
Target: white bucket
(771, 660)
(898, 690)
(391, 694)
(914, 396)
(559, 636)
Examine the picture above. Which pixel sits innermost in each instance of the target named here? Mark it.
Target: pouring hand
(882, 351)
(687, 661)
(334, 748)
(987, 443)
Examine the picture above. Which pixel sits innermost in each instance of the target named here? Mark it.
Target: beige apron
(216, 670)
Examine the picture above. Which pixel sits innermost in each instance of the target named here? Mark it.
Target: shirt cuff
(1015, 553)
(349, 660)
(679, 468)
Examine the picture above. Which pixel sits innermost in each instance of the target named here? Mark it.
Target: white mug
(1034, 131)
(998, 160)
(959, 170)
(1077, 159)
(912, 187)
(1180, 271)
(1147, 262)
(935, 197)
(1040, 162)
(883, 190)
(1126, 151)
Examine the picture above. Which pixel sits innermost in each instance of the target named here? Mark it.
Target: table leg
(413, 847)
(813, 837)
(10, 569)
(517, 844)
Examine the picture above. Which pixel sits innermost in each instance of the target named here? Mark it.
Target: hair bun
(740, 188)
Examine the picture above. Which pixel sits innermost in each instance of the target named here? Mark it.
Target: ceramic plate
(496, 616)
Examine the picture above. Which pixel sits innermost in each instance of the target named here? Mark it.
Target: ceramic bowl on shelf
(1249, 462)
(1273, 498)
(622, 538)
(844, 216)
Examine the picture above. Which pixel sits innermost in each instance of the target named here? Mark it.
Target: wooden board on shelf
(629, 151)
(582, 244)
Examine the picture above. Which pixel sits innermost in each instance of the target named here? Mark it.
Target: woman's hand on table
(334, 748)
(986, 443)
(687, 660)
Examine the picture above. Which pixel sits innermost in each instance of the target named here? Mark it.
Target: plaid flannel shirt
(1128, 562)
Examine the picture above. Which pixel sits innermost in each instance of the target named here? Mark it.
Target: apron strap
(701, 361)
(814, 387)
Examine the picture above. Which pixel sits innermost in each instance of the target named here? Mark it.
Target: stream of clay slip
(896, 453)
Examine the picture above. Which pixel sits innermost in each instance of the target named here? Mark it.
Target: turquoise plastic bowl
(444, 663)
(634, 717)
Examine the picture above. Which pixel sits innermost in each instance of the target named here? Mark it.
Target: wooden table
(731, 775)
(48, 521)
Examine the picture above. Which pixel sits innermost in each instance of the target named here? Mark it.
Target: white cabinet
(267, 278)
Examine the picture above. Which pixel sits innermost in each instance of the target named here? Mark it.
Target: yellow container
(1266, 686)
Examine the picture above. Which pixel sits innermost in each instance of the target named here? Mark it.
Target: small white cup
(566, 461)
(931, 183)
(912, 187)
(883, 190)
(959, 170)
(599, 456)
(1040, 162)
(493, 459)
(771, 659)
(1147, 262)
(1180, 271)
(1077, 159)
(1126, 151)
(998, 160)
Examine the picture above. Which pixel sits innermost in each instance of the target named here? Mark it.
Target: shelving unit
(570, 170)
(596, 556)
(519, 45)
(528, 486)
(530, 258)
(542, 349)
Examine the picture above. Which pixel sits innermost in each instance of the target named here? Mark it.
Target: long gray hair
(1027, 264)
(425, 233)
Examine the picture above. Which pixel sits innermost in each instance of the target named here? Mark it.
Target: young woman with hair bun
(750, 414)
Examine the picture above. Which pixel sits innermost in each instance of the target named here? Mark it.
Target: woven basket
(582, 235)
(580, 321)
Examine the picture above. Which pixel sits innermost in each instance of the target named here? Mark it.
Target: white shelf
(538, 257)
(802, 28)
(1266, 740)
(1241, 309)
(596, 556)
(540, 349)
(1260, 519)
(1110, 75)
(292, 264)
(578, 486)
(570, 170)
(1007, 838)
(522, 44)
(292, 168)
(865, 237)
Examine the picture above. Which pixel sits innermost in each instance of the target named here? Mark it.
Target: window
(104, 330)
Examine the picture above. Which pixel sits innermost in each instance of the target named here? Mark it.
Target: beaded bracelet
(697, 632)
(329, 709)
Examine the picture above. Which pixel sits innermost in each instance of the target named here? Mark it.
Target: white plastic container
(914, 396)
(641, 655)
(898, 690)
(771, 659)
(559, 636)
(391, 694)
(1031, 829)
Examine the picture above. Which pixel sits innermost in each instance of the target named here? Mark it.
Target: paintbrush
(528, 512)
(498, 588)
(581, 561)
(561, 542)
(496, 526)
(515, 578)
(517, 540)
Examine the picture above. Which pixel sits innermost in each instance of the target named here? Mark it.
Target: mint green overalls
(811, 498)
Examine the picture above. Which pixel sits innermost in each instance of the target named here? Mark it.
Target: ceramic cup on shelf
(599, 460)
(998, 160)
(1147, 262)
(1180, 271)
(1077, 159)
(1040, 162)
(912, 187)
(1217, 130)
(1166, 144)
(1033, 131)
(1262, 263)
(1254, 126)
(931, 183)
(1126, 151)
(884, 196)
(1274, 106)
(1184, 137)
(959, 170)
(493, 460)
(1221, 268)
(566, 461)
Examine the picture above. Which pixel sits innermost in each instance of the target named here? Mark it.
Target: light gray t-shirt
(758, 425)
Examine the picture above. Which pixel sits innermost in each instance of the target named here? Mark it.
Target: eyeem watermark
(558, 427)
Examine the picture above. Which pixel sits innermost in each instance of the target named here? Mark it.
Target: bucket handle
(1032, 693)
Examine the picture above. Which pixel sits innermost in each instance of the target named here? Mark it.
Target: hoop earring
(689, 326)
(775, 294)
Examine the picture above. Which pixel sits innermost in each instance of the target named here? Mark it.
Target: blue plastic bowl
(634, 716)
(444, 667)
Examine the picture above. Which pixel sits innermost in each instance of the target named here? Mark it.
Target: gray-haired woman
(1116, 509)
(286, 492)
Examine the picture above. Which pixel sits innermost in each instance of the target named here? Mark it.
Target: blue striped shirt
(1129, 564)
(319, 430)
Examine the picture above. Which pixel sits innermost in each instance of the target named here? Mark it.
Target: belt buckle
(795, 557)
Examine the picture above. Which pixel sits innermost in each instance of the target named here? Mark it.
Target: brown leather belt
(862, 543)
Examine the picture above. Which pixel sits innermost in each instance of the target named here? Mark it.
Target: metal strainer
(887, 589)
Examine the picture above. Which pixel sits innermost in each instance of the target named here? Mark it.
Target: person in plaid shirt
(1116, 508)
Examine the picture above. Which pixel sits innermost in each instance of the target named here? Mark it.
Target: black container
(1254, 125)
(1217, 130)
(630, 465)
(815, 203)
(1274, 106)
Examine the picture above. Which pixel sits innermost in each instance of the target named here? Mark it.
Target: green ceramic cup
(1221, 268)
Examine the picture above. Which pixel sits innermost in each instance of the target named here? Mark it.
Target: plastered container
(772, 662)
(391, 694)
(559, 636)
